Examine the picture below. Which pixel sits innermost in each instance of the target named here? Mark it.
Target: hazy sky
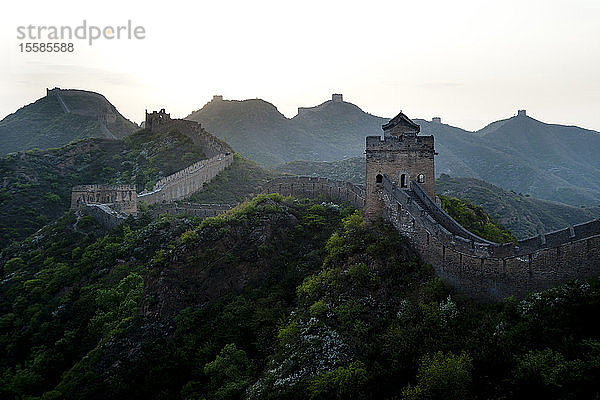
(469, 62)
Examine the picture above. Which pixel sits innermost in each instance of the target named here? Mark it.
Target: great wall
(187, 181)
(112, 204)
(330, 189)
(486, 270)
(400, 188)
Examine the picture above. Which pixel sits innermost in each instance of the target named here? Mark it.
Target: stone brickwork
(405, 158)
(183, 183)
(301, 186)
(474, 266)
(178, 186)
(482, 269)
(122, 198)
(400, 188)
(479, 268)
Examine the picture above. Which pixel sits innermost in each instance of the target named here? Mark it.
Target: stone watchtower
(155, 119)
(403, 156)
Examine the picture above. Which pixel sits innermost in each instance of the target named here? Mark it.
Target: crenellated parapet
(122, 198)
(401, 154)
(185, 182)
(482, 269)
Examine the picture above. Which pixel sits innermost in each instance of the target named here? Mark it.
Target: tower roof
(403, 122)
(399, 125)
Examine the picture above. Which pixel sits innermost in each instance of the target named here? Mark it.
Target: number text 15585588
(46, 47)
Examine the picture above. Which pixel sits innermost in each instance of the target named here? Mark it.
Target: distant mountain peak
(249, 109)
(60, 117)
(336, 105)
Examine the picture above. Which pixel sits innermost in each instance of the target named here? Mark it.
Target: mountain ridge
(549, 161)
(63, 115)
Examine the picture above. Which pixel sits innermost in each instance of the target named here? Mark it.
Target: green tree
(441, 376)
(547, 374)
(117, 303)
(341, 383)
(476, 220)
(229, 373)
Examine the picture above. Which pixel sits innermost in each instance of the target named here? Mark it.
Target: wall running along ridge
(482, 269)
(301, 186)
(104, 214)
(183, 183)
(175, 187)
(474, 266)
(122, 198)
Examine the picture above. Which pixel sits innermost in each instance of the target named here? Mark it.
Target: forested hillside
(280, 298)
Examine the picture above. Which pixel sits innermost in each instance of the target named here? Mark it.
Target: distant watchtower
(337, 98)
(403, 156)
(155, 119)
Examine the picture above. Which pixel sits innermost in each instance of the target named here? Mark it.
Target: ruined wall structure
(104, 214)
(479, 268)
(121, 198)
(210, 144)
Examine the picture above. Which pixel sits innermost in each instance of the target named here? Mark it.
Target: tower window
(403, 181)
(379, 178)
(421, 178)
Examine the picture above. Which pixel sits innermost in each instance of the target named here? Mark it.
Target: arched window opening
(421, 178)
(403, 181)
(379, 178)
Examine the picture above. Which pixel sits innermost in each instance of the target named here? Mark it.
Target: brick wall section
(489, 271)
(183, 183)
(474, 266)
(302, 186)
(123, 198)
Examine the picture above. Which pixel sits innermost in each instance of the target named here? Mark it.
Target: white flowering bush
(308, 349)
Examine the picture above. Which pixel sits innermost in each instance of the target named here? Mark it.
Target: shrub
(342, 383)
(289, 334)
(442, 376)
(189, 236)
(360, 275)
(318, 308)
